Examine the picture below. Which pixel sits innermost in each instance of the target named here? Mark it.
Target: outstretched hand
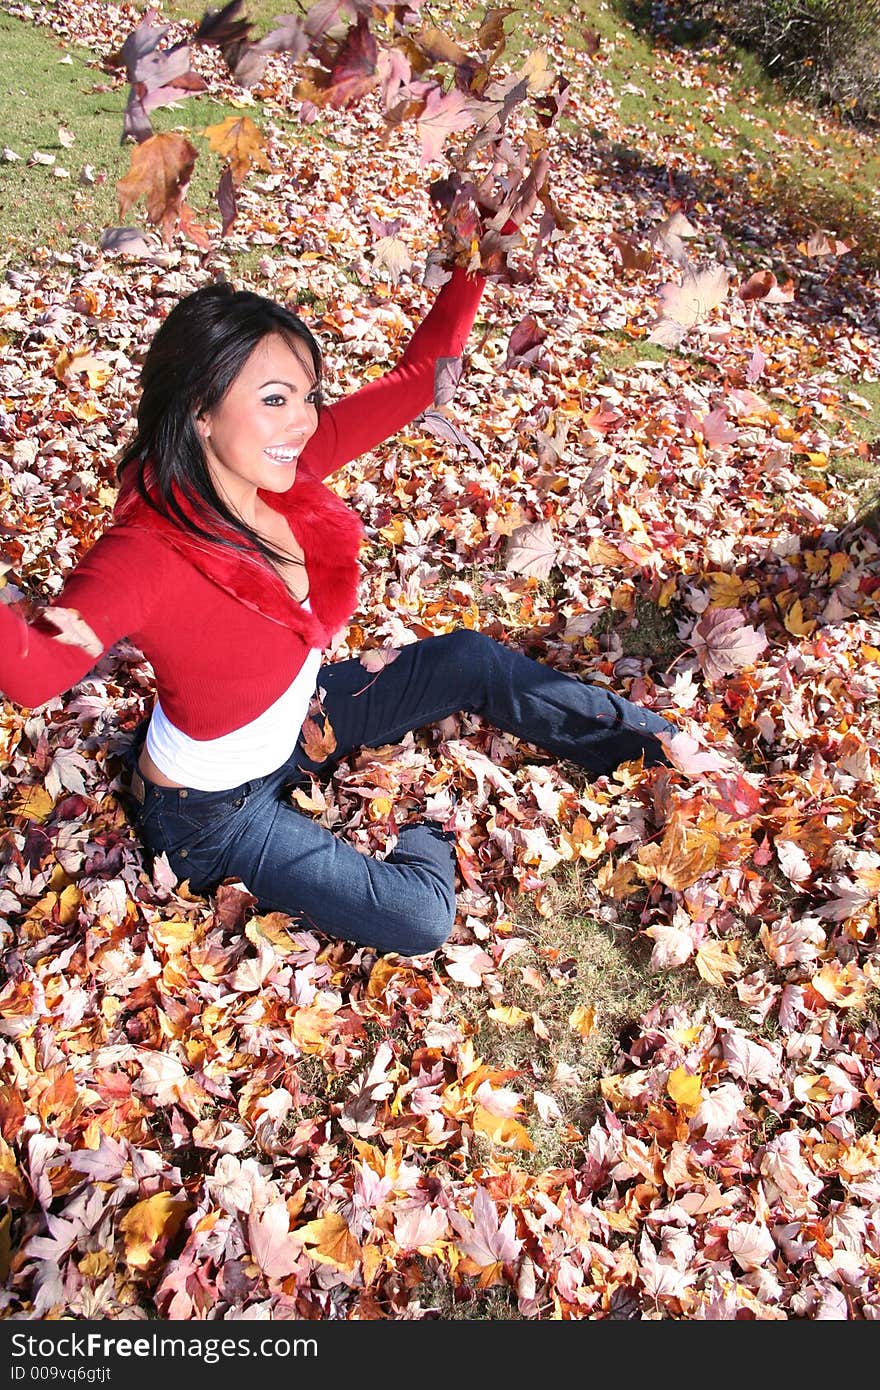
(468, 234)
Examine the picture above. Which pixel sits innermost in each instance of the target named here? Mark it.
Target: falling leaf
(241, 143)
(443, 114)
(391, 254)
(686, 304)
(447, 375)
(160, 172)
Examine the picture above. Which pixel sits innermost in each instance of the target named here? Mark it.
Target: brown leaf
(160, 172)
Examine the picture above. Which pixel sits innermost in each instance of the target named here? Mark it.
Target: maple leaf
(686, 304)
(160, 172)
(447, 375)
(353, 72)
(750, 1244)
(149, 1225)
(227, 200)
(227, 29)
(329, 1240)
(486, 1241)
(531, 550)
(392, 255)
(724, 642)
(273, 1249)
(435, 423)
(377, 658)
(318, 742)
(420, 1227)
(442, 114)
(241, 143)
(764, 285)
(671, 234)
(719, 1112)
(72, 630)
(524, 344)
(631, 256)
(749, 1060)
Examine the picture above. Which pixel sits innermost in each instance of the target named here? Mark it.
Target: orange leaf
(330, 1242)
(318, 743)
(501, 1129)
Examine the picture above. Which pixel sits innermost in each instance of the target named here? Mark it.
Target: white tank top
(254, 750)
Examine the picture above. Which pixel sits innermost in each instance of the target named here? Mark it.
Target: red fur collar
(328, 531)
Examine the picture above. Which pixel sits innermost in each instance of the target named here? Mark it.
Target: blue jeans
(405, 902)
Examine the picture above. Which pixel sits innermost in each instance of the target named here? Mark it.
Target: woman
(231, 565)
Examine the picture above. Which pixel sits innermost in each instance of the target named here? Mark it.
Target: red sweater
(223, 634)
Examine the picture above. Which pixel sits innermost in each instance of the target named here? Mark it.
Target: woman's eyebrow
(278, 381)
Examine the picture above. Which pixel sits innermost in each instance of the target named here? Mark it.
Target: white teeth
(282, 455)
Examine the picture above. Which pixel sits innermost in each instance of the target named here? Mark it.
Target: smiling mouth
(282, 455)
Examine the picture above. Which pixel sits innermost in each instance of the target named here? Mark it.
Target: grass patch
(585, 965)
(43, 91)
(646, 631)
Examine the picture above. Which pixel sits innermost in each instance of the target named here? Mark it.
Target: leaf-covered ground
(643, 479)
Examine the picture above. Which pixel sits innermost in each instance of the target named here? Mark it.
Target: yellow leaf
(501, 1129)
(32, 803)
(70, 366)
(173, 935)
(685, 1089)
(97, 1264)
(69, 905)
(717, 959)
(679, 860)
(509, 1016)
(842, 985)
(330, 1242)
(241, 142)
(795, 623)
(273, 927)
(149, 1225)
(602, 552)
(582, 1019)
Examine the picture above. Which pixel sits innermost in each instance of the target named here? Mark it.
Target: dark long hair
(191, 363)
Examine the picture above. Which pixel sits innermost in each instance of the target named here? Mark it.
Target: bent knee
(472, 648)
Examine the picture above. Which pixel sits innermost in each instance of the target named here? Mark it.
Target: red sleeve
(112, 589)
(359, 422)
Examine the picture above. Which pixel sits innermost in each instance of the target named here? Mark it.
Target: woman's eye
(314, 397)
(273, 400)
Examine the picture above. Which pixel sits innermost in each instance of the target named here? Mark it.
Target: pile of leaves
(208, 1112)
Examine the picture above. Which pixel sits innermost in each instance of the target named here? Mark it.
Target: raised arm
(359, 422)
(111, 594)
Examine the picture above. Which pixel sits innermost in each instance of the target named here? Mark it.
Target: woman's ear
(203, 427)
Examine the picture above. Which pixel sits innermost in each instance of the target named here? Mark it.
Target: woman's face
(254, 436)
